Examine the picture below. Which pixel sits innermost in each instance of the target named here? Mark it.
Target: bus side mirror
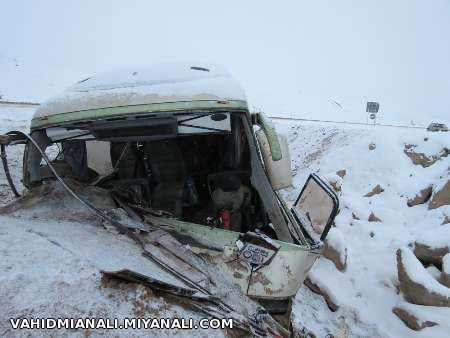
(275, 153)
(316, 207)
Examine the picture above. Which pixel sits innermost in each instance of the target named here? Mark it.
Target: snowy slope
(51, 269)
(31, 83)
(367, 290)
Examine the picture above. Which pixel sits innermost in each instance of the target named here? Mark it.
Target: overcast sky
(292, 57)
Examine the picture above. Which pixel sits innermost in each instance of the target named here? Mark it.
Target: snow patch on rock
(335, 249)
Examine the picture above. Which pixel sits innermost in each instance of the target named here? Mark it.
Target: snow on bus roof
(160, 83)
(150, 75)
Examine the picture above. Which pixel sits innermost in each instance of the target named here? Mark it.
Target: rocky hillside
(386, 269)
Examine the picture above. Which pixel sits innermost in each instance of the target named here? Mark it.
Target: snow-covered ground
(41, 258)
(51, 269)
(368, 290)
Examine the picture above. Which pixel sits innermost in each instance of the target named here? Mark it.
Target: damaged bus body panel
(177, 147)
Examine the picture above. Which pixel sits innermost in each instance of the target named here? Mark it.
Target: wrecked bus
(177, 146)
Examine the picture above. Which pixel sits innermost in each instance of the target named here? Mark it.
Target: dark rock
(411, 320)
(373, 218)
(415, 292)
(341, 173)
(430, 255)
(316, 289)
(421, 158)
(375, 191)
(422, 197)
(446, 220)
(440, 197)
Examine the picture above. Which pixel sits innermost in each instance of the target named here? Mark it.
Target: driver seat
(168, 175)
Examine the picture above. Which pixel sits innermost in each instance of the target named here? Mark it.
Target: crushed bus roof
(157, 88)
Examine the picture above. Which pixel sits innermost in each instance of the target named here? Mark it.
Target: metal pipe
(7, 173)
